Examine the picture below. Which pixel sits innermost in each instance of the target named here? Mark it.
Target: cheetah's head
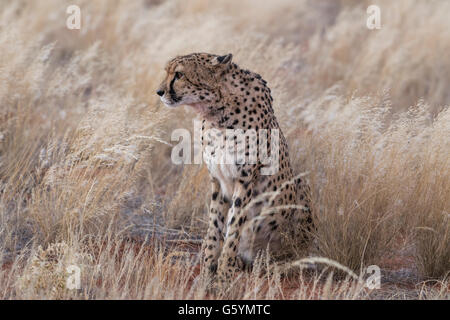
(193, 80)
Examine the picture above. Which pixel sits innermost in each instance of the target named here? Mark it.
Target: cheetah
(229, 97)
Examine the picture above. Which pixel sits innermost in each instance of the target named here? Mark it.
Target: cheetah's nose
(160, 93)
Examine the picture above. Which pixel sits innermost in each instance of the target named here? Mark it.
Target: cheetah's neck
(245, 102)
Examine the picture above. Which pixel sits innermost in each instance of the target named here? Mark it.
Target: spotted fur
(228, 97)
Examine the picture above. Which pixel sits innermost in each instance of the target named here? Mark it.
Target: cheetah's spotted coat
(228, 97)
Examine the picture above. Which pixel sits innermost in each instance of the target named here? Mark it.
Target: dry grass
(85, 170)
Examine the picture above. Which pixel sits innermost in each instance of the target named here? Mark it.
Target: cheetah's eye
(178, 75)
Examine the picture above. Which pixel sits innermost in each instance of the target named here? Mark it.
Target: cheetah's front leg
(214, 237)
(229, 262)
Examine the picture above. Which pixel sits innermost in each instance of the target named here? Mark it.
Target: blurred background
(85, 142)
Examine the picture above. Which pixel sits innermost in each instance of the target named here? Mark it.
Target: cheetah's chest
(223, 171)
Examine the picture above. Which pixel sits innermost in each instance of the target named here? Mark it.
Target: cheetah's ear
(226, 59)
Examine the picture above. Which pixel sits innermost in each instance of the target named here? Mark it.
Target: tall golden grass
(85, 171)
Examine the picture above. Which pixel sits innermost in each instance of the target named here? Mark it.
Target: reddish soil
(290, 284)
